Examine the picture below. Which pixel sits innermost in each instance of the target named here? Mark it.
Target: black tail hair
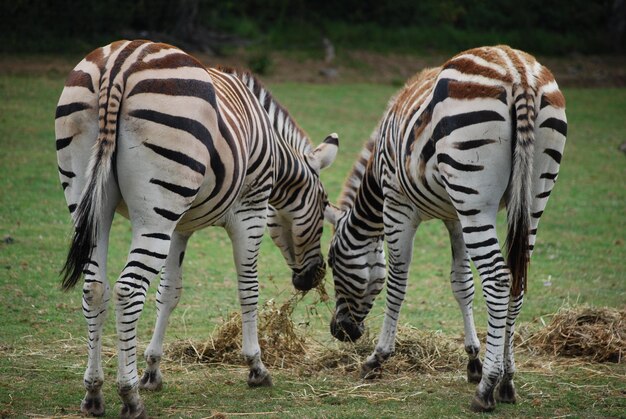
(80, 250)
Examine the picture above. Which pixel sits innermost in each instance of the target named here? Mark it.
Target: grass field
(579, 259)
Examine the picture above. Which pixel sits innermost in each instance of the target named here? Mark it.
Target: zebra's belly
(432, 200)
(428, 195)
(192, 220)
(209, 207)
(204, 211)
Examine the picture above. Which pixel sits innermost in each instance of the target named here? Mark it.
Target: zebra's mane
(355, 177)
(421, 81)
(284, 124)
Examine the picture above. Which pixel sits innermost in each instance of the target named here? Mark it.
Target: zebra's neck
(292, 143)
(414, 92)
(365, 213)
(285, 127)
(353, 181)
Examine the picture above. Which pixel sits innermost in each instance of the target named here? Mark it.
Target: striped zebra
(459, 142)
(143, 129)
(280, 229)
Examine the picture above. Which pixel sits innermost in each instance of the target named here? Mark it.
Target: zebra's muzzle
(310, 278)
(346, 330)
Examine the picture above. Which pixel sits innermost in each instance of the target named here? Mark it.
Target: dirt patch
(350, 67)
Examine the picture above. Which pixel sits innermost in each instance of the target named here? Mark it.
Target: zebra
(458, 143)
(145, 130)
(288, 130)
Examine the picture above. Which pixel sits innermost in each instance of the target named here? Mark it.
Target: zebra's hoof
(371, 371)
(132, 405)
(152, 380)
(259, 378)
(92, 405)
(137, 411)
(480, 404)
(505, 393)
(474, 371)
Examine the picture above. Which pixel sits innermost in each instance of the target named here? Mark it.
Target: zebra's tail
(519, 200)
(88, 213)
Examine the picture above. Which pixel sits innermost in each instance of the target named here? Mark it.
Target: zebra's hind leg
(95, 301)
(462, 282)
(246, 235)
(479, 234)
(168, 296)
(96, 296)
(548, 151)
(505, 392)
(550, 131)
(149, 249)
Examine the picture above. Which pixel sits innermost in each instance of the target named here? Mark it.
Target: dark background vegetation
(549, 27)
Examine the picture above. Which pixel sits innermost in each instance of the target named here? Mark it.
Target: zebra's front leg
(145, 260)
(462, 282)
(168, 296)
(246, 236)
(400, 230)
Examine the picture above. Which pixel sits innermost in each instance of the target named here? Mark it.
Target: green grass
(579, 258)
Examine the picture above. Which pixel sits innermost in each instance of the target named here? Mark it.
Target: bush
(403, 25)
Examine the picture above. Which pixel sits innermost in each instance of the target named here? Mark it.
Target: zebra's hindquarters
(76, 131)
(167, 155)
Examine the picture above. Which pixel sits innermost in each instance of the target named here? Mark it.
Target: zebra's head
(296, 221)
(359, 270)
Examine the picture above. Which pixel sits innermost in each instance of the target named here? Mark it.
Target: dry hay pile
(426, 351)
(280, 342)
(595, 333)
(284, 345)
(415, 350)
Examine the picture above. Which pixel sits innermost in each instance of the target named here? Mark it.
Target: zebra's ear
(332, 214)
(325, 153)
